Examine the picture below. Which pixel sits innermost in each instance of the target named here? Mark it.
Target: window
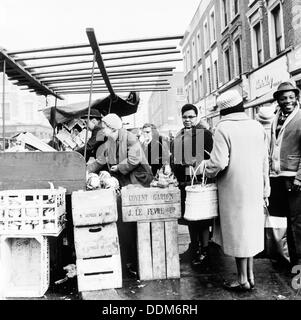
(190, 93)
(227, 66)
(215, 75)
(224, 13)
(238, 58)
(201, 86)
(193, 53)
(206, 35)
(196, 91)
(235, 7)
(198, 45)
(187, 61)
(212, 27)
(258, 44)
(209, 83)
(278, 32)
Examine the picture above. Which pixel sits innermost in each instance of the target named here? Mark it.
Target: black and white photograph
(150, 154)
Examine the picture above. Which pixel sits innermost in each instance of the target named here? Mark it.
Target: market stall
(53, 170)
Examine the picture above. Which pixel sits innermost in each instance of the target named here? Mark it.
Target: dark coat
(157, 153)
(126, 152)
(93, 143)
(190, 147)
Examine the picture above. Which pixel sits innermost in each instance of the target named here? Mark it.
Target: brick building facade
(249, 45)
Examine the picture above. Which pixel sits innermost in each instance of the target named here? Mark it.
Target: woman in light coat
(239, 160)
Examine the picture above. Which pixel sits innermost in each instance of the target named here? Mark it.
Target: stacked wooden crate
(96, 240)
(28, 217)
(156, 211)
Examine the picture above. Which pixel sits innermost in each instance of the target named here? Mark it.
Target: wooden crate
(99, 273)
(96, 241)
(158, 255)
(24, 266)
(145, 204)
(32, 211)
(94, 207)
(156, 212)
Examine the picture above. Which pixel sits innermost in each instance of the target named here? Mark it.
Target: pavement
(273, 282)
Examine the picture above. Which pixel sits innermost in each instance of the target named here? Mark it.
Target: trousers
(286, 202)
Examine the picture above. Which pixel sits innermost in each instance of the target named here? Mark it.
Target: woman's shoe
(252, 282)
(237, 287)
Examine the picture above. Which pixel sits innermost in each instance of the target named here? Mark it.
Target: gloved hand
(296, 186)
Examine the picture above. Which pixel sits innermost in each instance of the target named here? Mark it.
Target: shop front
(294, 62)
(264, 82)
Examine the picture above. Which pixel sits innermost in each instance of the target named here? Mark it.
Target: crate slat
(172, 250)
(94, 207)
(145, 265)
(100, 273)
(158, 250)
(95, 241)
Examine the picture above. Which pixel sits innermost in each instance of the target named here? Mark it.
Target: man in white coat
(239, 161)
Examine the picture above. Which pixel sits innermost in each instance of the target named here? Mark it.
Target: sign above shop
(294, 59)
(269, 77)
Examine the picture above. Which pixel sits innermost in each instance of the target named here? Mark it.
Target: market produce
(93, 181)
(102, 181)
(164, 178)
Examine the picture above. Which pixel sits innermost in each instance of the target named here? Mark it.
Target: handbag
(275, 241)
(201, 199)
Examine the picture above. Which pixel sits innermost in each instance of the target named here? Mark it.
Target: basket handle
(194, 172)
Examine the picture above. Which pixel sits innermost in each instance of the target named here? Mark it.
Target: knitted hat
(229, 99)
(265, 115)
(112, 121)
(285, 86)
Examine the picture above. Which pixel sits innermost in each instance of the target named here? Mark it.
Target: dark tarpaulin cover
(122, 107)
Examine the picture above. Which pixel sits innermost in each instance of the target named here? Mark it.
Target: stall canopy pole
(54, 122)
(101, 66)
(3, 104)
(89, 108)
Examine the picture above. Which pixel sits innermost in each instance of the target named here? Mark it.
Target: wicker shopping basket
(201, 199)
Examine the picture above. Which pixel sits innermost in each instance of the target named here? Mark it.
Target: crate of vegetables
(32, 211)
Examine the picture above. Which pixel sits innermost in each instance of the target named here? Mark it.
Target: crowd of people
(256, 164)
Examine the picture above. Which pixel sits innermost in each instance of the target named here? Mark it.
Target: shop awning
(266, 98)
